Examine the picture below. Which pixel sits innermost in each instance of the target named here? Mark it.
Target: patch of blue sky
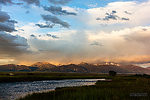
(19, 14)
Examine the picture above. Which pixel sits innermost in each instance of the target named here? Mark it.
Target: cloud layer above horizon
(66, 31)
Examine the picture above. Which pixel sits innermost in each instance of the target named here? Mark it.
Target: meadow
(133, 87)
(38, 76)
(122, 86)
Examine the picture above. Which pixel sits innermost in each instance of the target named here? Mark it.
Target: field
(37, 76)
(120, 88)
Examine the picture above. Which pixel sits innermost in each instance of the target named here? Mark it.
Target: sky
(74, 31)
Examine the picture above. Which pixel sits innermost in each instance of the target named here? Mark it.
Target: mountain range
(77, 68)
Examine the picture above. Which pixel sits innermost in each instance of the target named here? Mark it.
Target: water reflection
(12, 91)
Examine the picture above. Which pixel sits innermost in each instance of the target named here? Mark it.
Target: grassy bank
(37, 76)
(120, 88)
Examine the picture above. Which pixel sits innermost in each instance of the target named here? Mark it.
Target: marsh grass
(119, 88)
(38, 76)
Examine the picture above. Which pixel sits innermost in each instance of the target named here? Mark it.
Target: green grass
(119, 88)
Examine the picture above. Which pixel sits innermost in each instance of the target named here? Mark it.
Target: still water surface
(12, 91)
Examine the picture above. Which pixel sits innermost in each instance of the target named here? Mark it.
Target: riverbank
(120, 88)
(15, 90)
(39, 76)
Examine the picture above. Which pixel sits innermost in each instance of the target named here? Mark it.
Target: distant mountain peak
(43, 64)
(79, 68)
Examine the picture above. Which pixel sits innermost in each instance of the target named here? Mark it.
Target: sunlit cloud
(58, 32)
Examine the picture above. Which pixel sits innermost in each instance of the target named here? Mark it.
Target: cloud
(6, 2)
(113, 12)
(12, 21)
(127, 12)
(53, 9)
(133, 10)
(12, 45)
(129, 42)
(32, 35)
(7, 26)
(139, 36)
(117, 36)
(45, 26)
(124, 18)
(58, 10)
(95, 43)
(126, 45)
(4, 16)
(36, 2)
(112, 16)
(55, 20)
(64, 49)
(53, 36)
(60, 2)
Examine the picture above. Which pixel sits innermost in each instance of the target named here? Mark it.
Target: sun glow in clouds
(69, 31)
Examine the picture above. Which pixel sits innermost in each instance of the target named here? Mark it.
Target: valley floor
(120, 88)
(38, 76)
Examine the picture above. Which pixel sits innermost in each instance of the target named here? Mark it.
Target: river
(15, 90)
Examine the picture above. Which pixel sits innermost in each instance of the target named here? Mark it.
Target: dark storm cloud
(53, 9)
(58, 10)
(32, 35)
(4, 16)
(12, 45)
(55, 20)
(109, 16)
(113, 12)
(53, 36)
(61, 2)
(36, 2)
(45, 26)
(12, 21)
(112, 16)
(6, 2)
(7, 26)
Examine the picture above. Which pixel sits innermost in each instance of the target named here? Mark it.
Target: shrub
(112, 73)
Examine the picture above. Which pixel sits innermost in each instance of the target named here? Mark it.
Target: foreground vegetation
(38, 76)
(120, 88)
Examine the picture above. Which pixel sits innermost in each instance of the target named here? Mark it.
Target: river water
(12, 91)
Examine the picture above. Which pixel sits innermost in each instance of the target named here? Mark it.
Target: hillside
(43, 66)
(136, 69)
(77, 68)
